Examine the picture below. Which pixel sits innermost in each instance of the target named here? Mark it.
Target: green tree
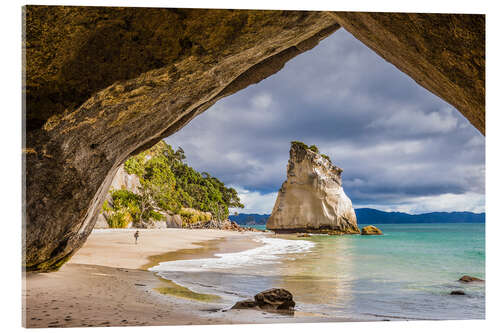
(168, 184)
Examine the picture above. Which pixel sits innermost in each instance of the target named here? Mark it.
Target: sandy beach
(106, 283)
(117, 248)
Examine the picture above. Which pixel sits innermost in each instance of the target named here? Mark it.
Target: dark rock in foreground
(467, 279)
(371, 230)
(457, 292)
(275, 299)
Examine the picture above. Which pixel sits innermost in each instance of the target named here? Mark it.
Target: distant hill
(249, 219)
(374, 216)
(368, 215)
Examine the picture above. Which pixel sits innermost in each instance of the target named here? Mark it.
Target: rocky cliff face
(312, 198)
(126, 181)
(122, 180)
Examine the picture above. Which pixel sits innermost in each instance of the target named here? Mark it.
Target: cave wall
(103, 83)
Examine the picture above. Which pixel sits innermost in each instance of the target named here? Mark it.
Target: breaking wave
(271, 252)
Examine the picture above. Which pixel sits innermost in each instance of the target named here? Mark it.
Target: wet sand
(106, 284)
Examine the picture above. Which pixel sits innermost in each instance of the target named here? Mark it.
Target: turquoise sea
(259, 226)
(408, 273)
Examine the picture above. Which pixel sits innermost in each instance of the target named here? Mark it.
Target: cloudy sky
(401, 147)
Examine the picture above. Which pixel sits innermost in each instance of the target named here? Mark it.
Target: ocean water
(408, 273)
(259, 226)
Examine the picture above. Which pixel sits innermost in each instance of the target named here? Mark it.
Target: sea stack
(312, 199)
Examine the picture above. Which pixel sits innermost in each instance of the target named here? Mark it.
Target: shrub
(300, 144)
(168, 184)
(156, 216)
(327, 157)
(119, 219)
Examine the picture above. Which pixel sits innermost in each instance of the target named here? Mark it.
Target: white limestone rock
(312, 198)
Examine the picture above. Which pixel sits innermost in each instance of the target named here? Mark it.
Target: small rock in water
(467, 279)
(457, 292)
(371, 230)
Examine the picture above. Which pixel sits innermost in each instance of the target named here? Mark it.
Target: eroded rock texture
(104, 83)
(312, 198)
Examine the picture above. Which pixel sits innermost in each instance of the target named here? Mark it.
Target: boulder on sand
(275, 299)
(371, 230)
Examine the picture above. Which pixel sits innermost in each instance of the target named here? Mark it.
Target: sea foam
(271, 252)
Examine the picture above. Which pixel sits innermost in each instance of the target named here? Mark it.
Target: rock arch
(104, 83)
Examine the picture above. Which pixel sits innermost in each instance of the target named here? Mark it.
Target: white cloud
(255, 202)
(472, 202)
(418, 122)
(262, 101)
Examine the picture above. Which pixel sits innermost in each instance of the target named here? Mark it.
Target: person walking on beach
(136, 236)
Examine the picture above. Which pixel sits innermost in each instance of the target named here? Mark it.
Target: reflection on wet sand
(323, 276)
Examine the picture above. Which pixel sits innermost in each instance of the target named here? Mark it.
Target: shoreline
(105, 284)
(117, 248)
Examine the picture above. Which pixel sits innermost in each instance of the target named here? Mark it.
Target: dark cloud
(397, 143)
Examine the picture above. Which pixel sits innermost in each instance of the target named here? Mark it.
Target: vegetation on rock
(313, 148)
(326, 157)
(169, 186)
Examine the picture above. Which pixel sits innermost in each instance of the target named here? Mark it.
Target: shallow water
(407, 273)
